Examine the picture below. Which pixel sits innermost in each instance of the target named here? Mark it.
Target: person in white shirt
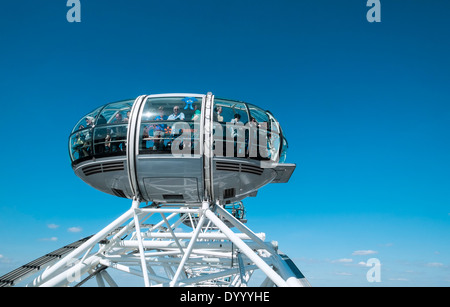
(176, 115)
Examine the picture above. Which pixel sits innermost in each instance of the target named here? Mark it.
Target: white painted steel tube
(141, 247)
(108, 278)
(72, 274)
(188, 250)
(82, 248)
(243, 228)
(246, 250)
(211, 276)
(222, 246)
(209, 236)
(169, 210)
(282, 267)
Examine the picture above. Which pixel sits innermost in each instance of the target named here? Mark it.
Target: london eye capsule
(179, 148)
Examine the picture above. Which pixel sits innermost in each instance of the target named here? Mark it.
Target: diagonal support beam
(246, 250)
(141, 245)
(244, 229)
(189, 248)
(59, 266)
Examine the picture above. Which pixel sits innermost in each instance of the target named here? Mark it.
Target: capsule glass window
(101, 133)
(171, 125)
(87, 121)
(229, 130)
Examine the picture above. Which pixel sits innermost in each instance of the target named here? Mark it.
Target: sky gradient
(365, 108)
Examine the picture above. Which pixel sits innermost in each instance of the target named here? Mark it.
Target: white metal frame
(134, 124)
(209, 254)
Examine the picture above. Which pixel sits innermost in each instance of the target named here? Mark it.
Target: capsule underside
(179, 148)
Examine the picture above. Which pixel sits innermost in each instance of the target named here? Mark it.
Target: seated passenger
(236, 121)
(217, 116)
(89, 121)
(252, 138)
(159, 131)
(82, 143)
(196, 115)
(116, 134)
(107, 143)
(238, 134)
(100, 136)
(253, 122)
(126, 119)
(176, 115)
(86, 149)
(145, 137)
(196, 129)
(78, 143)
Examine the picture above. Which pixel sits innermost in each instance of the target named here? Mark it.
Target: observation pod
(179, 148)
(194, 157)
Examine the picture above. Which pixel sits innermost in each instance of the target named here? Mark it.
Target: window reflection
(229, 111)
(81, 144)
(102, 132)
(284, 148)
(171, 125)
(87, 121)
(172, 137)
(244, 130)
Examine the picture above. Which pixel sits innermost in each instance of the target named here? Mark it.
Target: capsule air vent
(229, 193)
(103, 168)
(173, 197)
(119, 193)
(239, 167)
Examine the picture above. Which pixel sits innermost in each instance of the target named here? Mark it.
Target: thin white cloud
(343, 274)
(362, 263)
(435, 265)
(52, 226)
(3, 259)
(343, 260)
(364, 252)
(75, 229)
(49, 239)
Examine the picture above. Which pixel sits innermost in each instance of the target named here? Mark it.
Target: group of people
(106, 139)
(242, 140)
(160, 131)
(157, 137)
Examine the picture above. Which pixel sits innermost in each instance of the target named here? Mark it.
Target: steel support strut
(187, 245)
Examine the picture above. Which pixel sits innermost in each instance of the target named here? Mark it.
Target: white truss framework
(209, 254)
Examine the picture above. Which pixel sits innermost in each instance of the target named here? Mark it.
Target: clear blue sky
(365, 107)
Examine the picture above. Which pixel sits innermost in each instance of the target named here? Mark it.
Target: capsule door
(168, 149)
